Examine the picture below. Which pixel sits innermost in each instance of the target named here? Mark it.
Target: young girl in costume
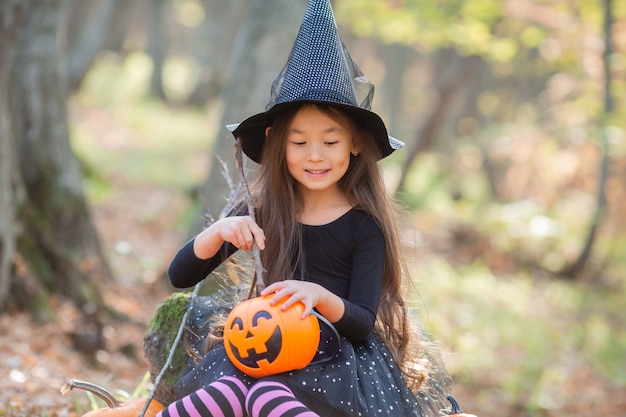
(328, 238)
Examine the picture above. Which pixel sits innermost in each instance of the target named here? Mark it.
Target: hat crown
(319, 67)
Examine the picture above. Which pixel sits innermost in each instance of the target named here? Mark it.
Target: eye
(296, 140)
(238, 323)
(260, 315)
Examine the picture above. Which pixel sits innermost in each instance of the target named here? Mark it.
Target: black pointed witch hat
(319, 70)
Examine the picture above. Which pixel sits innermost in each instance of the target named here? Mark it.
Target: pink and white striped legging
(229, 397)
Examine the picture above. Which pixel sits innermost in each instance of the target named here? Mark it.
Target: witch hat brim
(319, 70)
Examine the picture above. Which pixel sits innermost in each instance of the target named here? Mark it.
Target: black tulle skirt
(353, 379)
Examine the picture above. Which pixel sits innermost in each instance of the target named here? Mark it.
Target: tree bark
(11, 16)
(57, 245)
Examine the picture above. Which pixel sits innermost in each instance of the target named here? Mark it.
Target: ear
(356, 149)
(267, 131)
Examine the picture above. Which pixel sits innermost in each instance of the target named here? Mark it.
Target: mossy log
(162, 330)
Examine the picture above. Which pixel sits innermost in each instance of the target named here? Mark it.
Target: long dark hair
(277, 207)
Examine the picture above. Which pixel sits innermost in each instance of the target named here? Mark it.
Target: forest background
(112, 150)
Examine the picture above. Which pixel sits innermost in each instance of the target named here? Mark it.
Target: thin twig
(225, 173)
(235, 192)
(170, 357)
(256, 253)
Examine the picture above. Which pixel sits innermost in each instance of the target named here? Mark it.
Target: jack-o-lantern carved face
(261, 339)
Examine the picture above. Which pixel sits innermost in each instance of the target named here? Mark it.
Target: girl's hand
(308, 293)
(241, 231)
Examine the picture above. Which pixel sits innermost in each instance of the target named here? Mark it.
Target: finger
(238, 240)
(259, 237)
(308, 307)
(293, 299)
(272, 288)
(246, 237)
(255, 233)
(279, 295)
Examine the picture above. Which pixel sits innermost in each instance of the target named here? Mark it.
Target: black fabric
(345, 256)
(430, 399)
(361, 380)
(186, 269)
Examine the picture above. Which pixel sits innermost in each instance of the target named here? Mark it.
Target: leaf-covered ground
(37, 359)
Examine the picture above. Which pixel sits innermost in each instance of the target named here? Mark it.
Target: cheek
(293, 160)
(342, 161)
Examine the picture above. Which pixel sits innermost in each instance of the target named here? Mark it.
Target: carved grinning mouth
(251, 358)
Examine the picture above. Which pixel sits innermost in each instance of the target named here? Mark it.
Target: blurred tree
(573, 270)
(454, 79)
(212, 45)
(260, 50)
(157, 44)
(11, 16)
(87, 28)
(485, 71)
(57, 249)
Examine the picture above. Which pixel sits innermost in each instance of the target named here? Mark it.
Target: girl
(331, 244)
(328, 239)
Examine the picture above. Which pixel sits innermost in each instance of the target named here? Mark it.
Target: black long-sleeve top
(346, 256)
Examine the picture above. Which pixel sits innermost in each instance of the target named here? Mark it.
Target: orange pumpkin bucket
(261, 339)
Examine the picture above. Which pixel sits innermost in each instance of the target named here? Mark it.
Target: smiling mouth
(317, 171)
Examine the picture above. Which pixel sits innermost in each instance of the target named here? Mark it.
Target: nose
(316, 152)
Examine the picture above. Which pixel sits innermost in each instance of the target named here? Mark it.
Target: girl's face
(317, 150)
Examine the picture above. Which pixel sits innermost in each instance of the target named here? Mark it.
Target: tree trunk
(455, 75)
(259, 53)
(575, 269)
(212, 45)
(157, 45)
(58, 251)
(88, 23)
(398, 58)
(11, 15)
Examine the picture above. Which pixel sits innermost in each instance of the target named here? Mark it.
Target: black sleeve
(357, 322)
(186, 269)
(361, 305)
